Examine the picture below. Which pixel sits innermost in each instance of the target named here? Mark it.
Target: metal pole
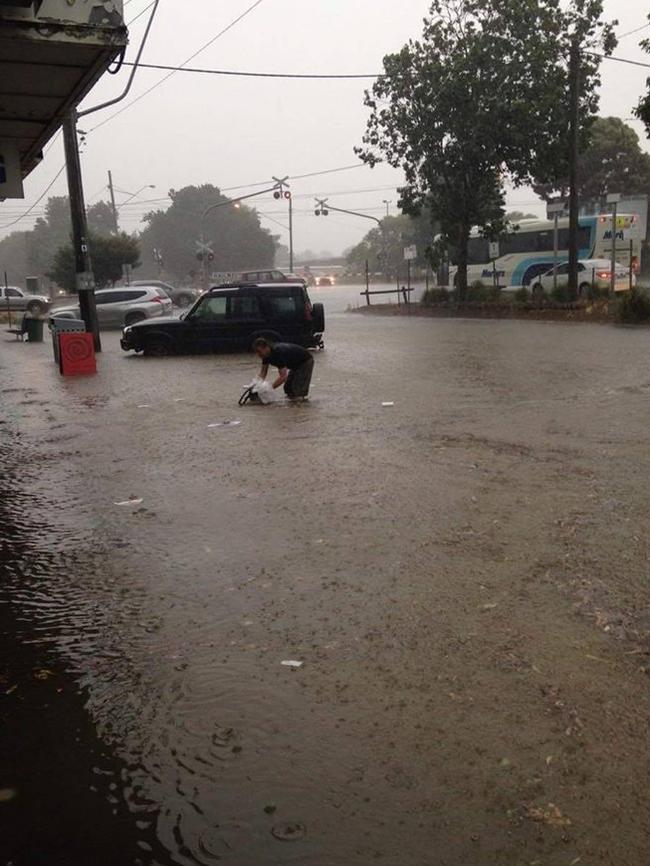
(574, 153)
(83, 266)
(613, 274)
(407, 299)
(556, 245)
(291, 234)
(116, 227)
(631, 256)
(367, 284)
(7, 299)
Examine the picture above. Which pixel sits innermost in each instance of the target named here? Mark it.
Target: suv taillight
(157, 300)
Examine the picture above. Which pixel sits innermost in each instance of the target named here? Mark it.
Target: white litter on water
(179, 399)
(289, 663)
(225, 424)
(388, 403)
(144, 406)
(132, 500)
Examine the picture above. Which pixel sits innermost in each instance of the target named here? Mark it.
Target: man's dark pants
(297, 385)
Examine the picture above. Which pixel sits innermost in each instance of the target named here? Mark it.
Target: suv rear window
(283, 306)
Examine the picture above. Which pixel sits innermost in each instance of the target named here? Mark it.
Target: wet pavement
(463, 576)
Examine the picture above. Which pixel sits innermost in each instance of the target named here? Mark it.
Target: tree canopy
(237, 238)
(612, 162)
(481, 97)
(643, 109)
(108, 255)
(383, 246)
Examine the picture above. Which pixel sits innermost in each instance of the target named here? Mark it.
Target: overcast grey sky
(231, 131)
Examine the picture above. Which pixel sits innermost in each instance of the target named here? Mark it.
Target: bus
(526, 251)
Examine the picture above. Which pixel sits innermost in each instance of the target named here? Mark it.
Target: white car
(595, 273)
(12, 298)
(123, 305)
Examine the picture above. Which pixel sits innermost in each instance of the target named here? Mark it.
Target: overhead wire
(243, 74)
(210, 42)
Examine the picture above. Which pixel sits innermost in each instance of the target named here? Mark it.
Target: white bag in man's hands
(265, 391)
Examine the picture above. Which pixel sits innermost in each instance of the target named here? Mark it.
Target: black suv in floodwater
(229, 318)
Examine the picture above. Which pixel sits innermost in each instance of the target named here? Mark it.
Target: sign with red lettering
(76, 354)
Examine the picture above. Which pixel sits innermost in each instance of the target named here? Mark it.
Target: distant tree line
(234, 233)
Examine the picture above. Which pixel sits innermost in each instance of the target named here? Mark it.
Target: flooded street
(462, 574)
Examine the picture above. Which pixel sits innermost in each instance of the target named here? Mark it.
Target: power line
(632, 32)
(210, 42)
(38, 200)
(299, 75)
(619, 59)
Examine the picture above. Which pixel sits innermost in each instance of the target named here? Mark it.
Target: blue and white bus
(526, 252)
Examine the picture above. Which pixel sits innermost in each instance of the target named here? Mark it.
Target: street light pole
(116, 227)
(291, 234)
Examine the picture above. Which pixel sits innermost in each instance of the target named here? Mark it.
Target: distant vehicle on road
(125, 305)
(526, 252)
(271, 276)
(180, 297)
(12, 298)
(325, 280)
(591, 272)
(229, 319)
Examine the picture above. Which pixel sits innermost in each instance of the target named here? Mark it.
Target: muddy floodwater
(462, 576)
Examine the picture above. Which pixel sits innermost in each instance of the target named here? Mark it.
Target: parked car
(230, 318)
(12, 298)
(123, 305)
(591, 272)
(180, 297)
(271, 276)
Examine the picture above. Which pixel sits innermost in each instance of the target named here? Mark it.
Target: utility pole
(116, 227)
(85, 280)
(574, 155)
(291, 234)
(388, 203)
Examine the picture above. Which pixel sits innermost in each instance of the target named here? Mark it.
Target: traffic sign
(494, 249)
(410, 253)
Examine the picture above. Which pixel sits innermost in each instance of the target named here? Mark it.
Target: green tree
(612, 162)
(14, 250)
(383, 246)
(108, 255)
(483, 96)
(54, 229)
(643, 109)
(237, 238)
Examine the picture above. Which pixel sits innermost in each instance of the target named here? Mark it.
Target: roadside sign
(555, 209)
(494, 249)
(410, 253)
(614, 198)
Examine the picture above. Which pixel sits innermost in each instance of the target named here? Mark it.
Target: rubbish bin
(34, 328)
(58, 326)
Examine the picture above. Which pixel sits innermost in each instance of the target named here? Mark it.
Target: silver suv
(123, 305)
(12, 298)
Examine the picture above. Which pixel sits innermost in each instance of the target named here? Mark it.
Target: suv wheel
(157, 348)
(132, 318)
(36, 308)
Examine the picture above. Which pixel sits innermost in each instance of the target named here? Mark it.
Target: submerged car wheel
(157, 348)
(132, 318)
